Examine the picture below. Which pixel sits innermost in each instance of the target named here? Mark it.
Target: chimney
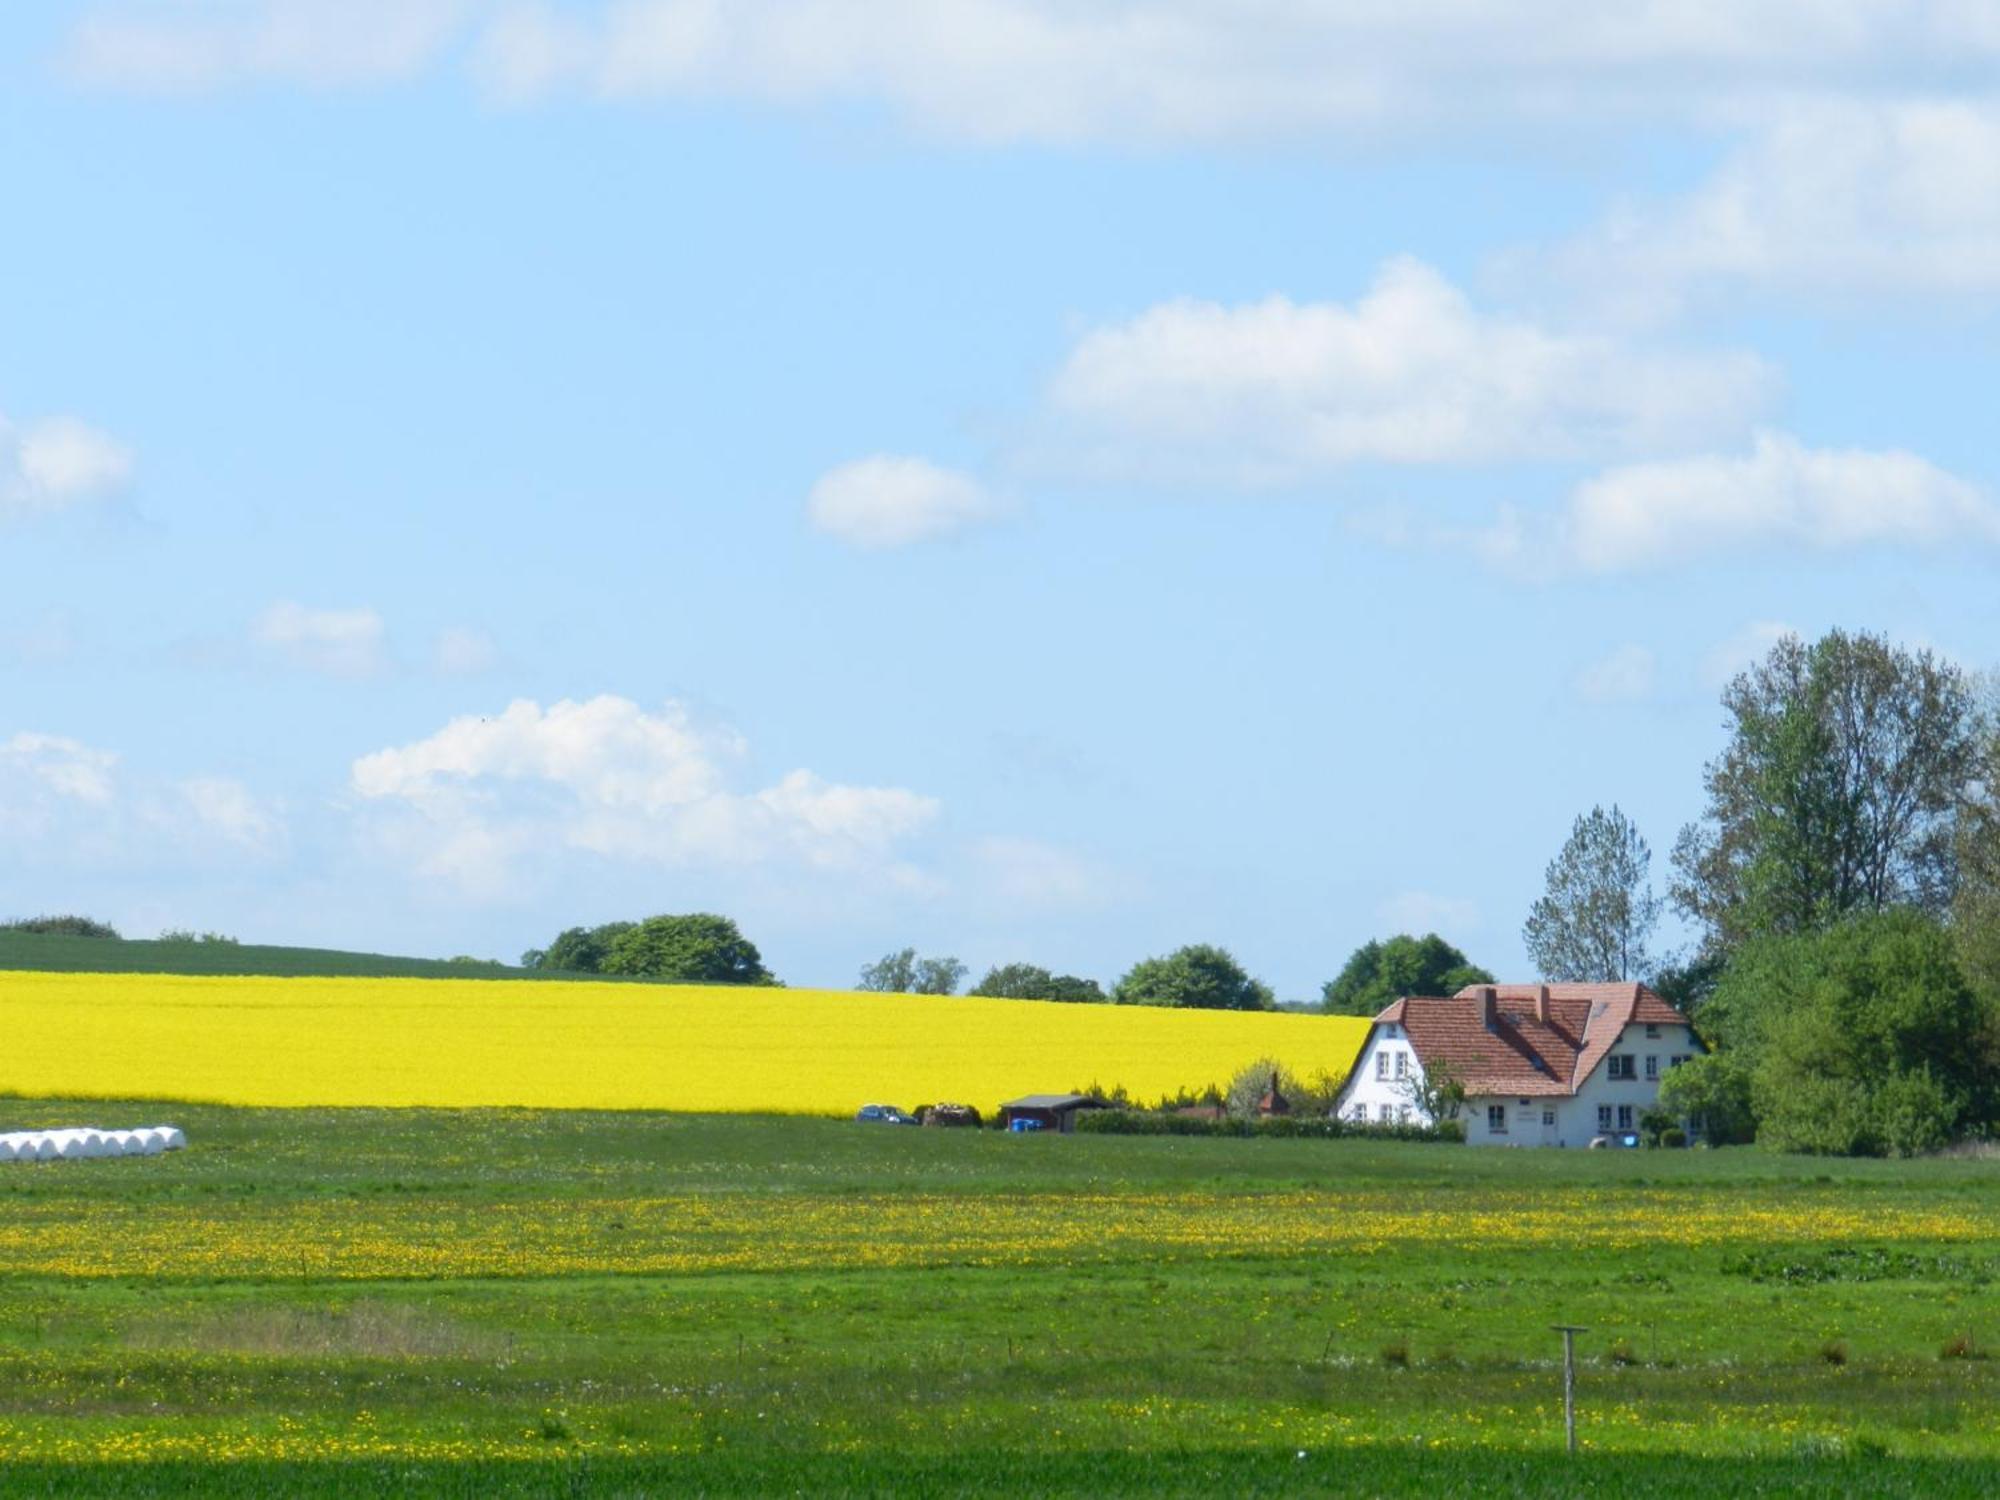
(1489, 1006)
(1542, 1004)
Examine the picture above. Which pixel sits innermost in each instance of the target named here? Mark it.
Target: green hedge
(1288, 1127)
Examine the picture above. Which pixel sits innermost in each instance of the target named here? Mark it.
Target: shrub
(1673, 1137)
(1396, 1354)
(66, 926)
(1834, 1352)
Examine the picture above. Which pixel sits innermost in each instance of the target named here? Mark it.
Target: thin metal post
(1569, 1333)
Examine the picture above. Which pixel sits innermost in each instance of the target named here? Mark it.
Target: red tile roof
(1523, 1048)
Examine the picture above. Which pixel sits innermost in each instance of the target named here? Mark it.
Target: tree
(1434, 1090)
(67, 926)
(699, 948)
(903, 973)
(1198, 977)
(1593, 920)
(1379, 974)
(1976, 912)
(1839, 790)
(577, 950)
(1712, 1093)
(1863, 1038)
(1031, 982)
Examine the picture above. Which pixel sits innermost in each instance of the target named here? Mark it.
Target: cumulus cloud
(1411, 373)
(1137, 71)
(1831, 195)
(55, 463)
(73, 803)
(890, 501)
(337, 642)
(1780, 496)
(607, 778)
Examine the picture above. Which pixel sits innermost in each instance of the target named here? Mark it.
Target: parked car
(884, 1114)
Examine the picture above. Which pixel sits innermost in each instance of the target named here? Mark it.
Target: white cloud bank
(1410, 373)
(69, 802)
(1898, 196)
(890, 501)
(1780, 496)
(57, 462)
(335, 642)
(1132, 71)
(607, 778)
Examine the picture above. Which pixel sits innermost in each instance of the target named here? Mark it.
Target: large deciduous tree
(698, 948)
(1377, 974)
(577, 950)
(1976, 913)
(1839, 790)
(1032, 982)
(1593, 921)
(1198, 977)
(904, 973)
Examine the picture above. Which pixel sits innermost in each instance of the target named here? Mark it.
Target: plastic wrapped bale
(125, 1143)
(94, 1142)
(151, 1142)
(70, 1147)
(47, 1147)
(9, 1148)
(171, 1138)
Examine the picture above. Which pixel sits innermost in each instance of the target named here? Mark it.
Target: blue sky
(1027, 481)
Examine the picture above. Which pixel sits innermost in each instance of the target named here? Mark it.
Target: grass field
(575, 1044)
(493, 1302)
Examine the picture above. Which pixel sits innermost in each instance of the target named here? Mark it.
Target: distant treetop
(68, 926)
(1378, 974)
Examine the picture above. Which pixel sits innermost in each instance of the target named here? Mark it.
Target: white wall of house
(1606, 1104)
(1382, 1081)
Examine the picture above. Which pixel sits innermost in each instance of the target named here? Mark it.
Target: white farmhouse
(1541, 1064)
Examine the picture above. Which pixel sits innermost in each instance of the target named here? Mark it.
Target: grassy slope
(1119, 1367)
(77, 955)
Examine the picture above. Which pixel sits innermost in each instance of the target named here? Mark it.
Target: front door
(1551, 1117)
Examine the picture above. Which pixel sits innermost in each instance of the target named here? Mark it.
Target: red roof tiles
(1527, 1040)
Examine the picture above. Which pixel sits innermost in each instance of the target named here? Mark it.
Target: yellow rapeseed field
(560, 1045)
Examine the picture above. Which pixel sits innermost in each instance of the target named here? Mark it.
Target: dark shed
(1050, 1111)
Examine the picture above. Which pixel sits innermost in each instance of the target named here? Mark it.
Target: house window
(1496, 1119)
(1621, 1065)
(1675, 1062)
(1651, 1029)
(1359, 1115)
(1548, 1117)
(1624, 1117)
(1402, 1064)
(1382, 1066)
(1386, 1113)
(1403, 1114)
(1603, 1117)
(1390, 1031)
(1652, 1066)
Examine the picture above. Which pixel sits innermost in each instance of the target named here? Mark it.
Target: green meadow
(822, 1307)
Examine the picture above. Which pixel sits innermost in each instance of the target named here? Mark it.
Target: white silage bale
(70, 1148)
(151, 1141)
(94, 1143)
(123, 1142)
(47, 1147)
(175, 1140)
(9, 1148)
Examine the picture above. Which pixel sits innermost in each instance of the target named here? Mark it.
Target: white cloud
(69, 803)
(231, 812)
(607, 778)
(1131, 71)
(55, 463)
(337, 642)
(68, 768)
(319, 43)
(1625, 676)
(1742, 650)
(462, 651)
(889, 501)
(1780, 496)
(1420, 912)
(1411, 373)
(1900, 196)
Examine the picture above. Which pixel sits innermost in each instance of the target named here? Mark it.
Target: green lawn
(484, 1303)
